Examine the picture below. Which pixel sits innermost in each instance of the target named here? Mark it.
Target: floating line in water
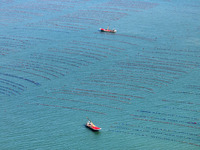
(4, 92)
(163, 122)
(80, 109)
(165, 119)
(10, 89)
(171, 115)
(180, 101)
(53, 59)
(181, 109)
(42, 63)
(7, 91)
(75, 53)
(79, 101)
(91, 95)
(152, 136)
(160, 129)
(105, 92)
(120, 83)
(25, 79)
(25, 72)
(12, 83)
(51, 69)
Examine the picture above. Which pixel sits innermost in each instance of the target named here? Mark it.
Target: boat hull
(107, 30)
(92, 127)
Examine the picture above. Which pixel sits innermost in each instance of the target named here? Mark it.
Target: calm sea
(140, 85)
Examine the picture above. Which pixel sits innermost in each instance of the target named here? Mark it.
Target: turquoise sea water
(140, 85)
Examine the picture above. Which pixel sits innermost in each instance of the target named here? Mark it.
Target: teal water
(140, 85)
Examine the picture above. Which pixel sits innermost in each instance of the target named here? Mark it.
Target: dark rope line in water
(13, 39)
(185, 92)
(109, 85)
(167, 63)
(161, 63)
(69, 59)
(58, 57)
(93, 50)
(120, 83)
(44, 63)
(26, 67)
(93, 93)
(153, 134)
(193, 110)
(25, 79)
(4, 87)
(26, 72)
(171, 53)
(4, 92)
(109, 93)
(127, 73)
(164, 122)
(194, 87)
(13, 83)
(90, 95)
(117, 41)
(54, 60)
(85, 52)
(80, 20)
(6, 50)
(138, 75)
(158, 129)
(165, 119)
(79, 101)
(126, 95)
(178, 50)
(27, 64)
(137, 37)
(9, 84)
(131, 4)
(133, 74)
(94, 46)
(65, 91)
(130, 79)
(7, 91)
(96, 94)
(116, 9)
(165, 114)
(152, 66)
(91, 15)
(175, 61)
(80, 109)
(148, 72)
(67, 26)
(179, 101)
(71, 49)
(142, 68)
(75, 53)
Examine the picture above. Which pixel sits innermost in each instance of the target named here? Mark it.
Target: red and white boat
(90, 125)
(107, 30)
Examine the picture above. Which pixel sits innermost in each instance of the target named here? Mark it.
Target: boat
(107, 30)
(90, 125)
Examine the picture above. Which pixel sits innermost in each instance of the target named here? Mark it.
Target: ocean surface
(141, 85)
